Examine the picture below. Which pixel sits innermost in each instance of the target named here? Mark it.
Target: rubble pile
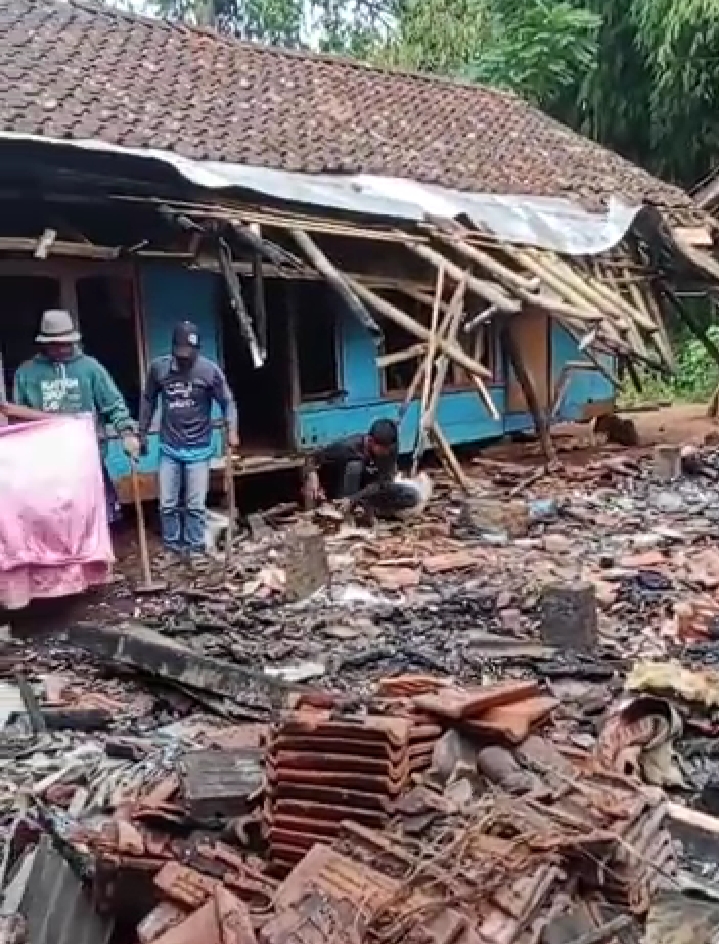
(499, 725)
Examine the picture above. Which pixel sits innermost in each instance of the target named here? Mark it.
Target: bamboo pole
(526, 382)
(456, 310)
(485, 396)
(582, 308)
(338, 282)
(429, 364)
(525, 289)
(598, 366)
(650, 303)
(423, 297)
(384, 361)
(442, 445)
(485, 290)
(605, 298)
(506, 277)
(419, 374)
(390, 311)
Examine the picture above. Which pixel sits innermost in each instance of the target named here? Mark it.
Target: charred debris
(498, 724)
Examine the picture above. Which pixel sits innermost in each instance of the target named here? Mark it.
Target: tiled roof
(72, 69)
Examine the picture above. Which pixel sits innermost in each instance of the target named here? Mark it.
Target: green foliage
(536, 47)
(355, 27)
(436, 35)
(697, 376)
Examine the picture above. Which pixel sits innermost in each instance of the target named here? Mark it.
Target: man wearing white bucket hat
(62, 379)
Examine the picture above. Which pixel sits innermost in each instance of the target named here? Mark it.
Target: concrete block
(667, 463)
(569, 616)
(306, 566)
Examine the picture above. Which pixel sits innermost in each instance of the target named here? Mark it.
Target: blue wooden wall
(585, 386)
(171, 293)
(461, 414)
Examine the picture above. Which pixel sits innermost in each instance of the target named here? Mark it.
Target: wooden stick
(486, 290)
(526, 382)
(384, 361)
(425, 298)
(598, 366)
(512, 281)
(713, 405)
(583, 308)
(429, 364)
(456, 311)
(607, 299)
(419, 374)
(481, 319)
(390, 311)
(646, 297)
(340, 284)
(525, 289)
(633, 323)
(485, 396)
(442, 445)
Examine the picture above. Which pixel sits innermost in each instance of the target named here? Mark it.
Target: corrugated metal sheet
(546, 222)
(52, 899)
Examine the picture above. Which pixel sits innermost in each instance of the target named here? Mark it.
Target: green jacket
(80, 385)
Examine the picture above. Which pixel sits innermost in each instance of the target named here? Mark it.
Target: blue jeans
(183, 526)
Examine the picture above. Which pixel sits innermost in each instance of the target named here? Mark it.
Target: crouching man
(187, 385)
(361, 471)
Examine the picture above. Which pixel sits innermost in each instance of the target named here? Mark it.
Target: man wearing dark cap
(187, 385)
(346, 468)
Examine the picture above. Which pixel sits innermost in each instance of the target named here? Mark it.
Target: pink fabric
(54, 537)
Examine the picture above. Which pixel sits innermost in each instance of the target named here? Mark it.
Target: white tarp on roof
(546, 222)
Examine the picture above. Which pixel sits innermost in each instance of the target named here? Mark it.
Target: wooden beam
(384, 361)
(526, 382)
(338, 282)
(513, 281)
(456, 310)
(441, 443)
(486, 290)
(390, 311)
(429, 365)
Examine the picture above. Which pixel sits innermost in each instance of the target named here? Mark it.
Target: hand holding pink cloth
(54, 535)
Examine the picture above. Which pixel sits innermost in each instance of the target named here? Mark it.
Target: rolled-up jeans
(183, 524)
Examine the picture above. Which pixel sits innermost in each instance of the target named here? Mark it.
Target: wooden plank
(531, 334)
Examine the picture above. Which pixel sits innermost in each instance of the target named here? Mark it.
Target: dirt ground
(685, 423)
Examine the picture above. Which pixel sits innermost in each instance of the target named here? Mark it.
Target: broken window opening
(317, 344)
(397, 377)
(105, 311)
(480, 345)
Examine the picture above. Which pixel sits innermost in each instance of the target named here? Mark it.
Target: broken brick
(456, 703)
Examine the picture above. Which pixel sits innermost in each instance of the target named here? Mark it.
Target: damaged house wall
(170, 194)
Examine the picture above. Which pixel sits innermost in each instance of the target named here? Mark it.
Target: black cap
(185, 336)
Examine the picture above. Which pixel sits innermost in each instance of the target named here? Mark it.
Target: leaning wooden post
(429, 364)
(526, 382)
(419, 373)
(325, 268)
(441, 444)
(390, 311)
(456, 310)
